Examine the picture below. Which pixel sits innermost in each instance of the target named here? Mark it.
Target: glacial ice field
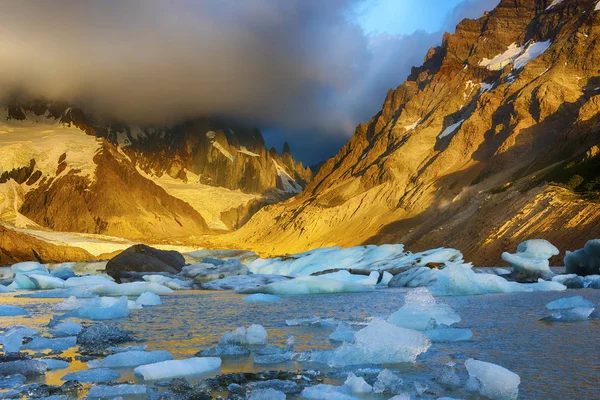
(458, 332)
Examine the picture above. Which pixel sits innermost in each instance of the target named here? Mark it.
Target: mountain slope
(63, 170)
(461, 154)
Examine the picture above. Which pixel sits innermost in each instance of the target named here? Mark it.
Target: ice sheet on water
(314, 285)
(569, 302)
(492, 380)
(58, 344)
(117, 391)
(323, 391)
(357, 384)
(148, 299)
(131, 289)
(421, 311)
(89, 280)
(66, 328)
(178, 368)
(571, 315)
(360, 257)
(119, 309)
(23, 367)
(98, 375)
(343, 333)
(53, 364)
(260, 297)
(131, 359)
(266, 394)
(441, 335)
(12, 311)
(381, 343)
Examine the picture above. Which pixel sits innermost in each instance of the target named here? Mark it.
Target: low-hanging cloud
(301, 65)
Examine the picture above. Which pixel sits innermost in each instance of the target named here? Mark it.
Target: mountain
(493, 140)
(62, 169)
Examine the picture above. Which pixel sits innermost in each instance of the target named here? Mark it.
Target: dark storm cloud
(298, 65)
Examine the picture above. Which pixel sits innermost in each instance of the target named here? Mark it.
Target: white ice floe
(130, 359)
(131, 289)
(90, 280)
(260, 297)
(357, 384)
(117, 391)
(148, 299)
(569, 302)
(66, 328)
(532, 257)
(55, 364)
(492, 380)
(171, 283)
(381, 343)
(254, 335)
(343, 333)
(313, 285)
(421, 312)
(178, 368)
(12, 311)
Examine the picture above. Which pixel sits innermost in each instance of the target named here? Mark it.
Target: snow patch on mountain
(244, 150)
(519, 56)
(450, 130)
(289, 184)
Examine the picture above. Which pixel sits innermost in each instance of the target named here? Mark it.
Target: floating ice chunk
(388, 382)
(313, 285)
(118, 391)
(45, 282)
(6, 289)
(12, 311)
(131, 359)
(421, 311)
(178, 368)
(28, 266)
(11, 341)
(23, 367)
(266, 394)
(12, 381)
(99, 375)
(569, 302)
(125, 349)
(260, 297)
(148, 299)
(531, 258)
(256, 334)
(63, 271)
(275, 358)
(171, 283)
(66, 328)
(53, 364)
(323, 392)
(441, 335)
(131, 289)
(119, 309)
(381, 343)
(243, 282)
(22, 282)
(584, 261)
(538, 248)
(90, 280)
(357, 384)
(571, 315)
(346, 276)
(59, 344)
(492, 380)
(224, 351)
(343, 333)
(386, 278)
(545, 286)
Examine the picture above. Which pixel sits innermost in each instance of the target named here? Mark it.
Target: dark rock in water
(23, 367)
(595, 284)
(584, 261)
(287, 387)
(205, 272)
(102, 335)
(142, 258)
(576, 282)
(185, 391)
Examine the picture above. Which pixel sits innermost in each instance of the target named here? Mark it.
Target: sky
(303, 71)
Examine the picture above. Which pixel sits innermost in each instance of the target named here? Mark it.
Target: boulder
(142, 258)
(584, 261)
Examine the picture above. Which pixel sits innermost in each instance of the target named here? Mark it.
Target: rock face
(493, 140)
(142, 258)
(65, 170)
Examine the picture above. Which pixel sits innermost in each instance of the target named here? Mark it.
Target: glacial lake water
(554, 360)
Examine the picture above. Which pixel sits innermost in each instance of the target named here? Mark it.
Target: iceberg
(130, 359)
(584, 261)
(28, 266)
(148, 299)
(346, 276)
(243, 282)
(178, 368)
(53, 364)
(254, 335)
(264, 298)
(119, 309)
(22, 282)
(569, 302)
(492, 380)
(357, 384)
(380, 343)
(343, 333)
(313, 285)
(570, 315)
(99, 375)
(131, 289)
(532, 258)
(421, 312)
(63, 271)
(6, 289)
(117, 391)
(59, 344)
(66, 328)
(45, 282)
(12, 311)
